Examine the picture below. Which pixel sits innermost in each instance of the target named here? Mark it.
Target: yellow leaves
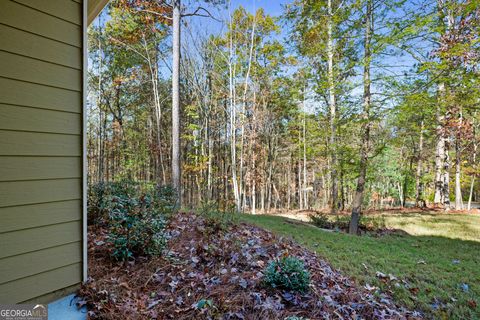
(194, 168)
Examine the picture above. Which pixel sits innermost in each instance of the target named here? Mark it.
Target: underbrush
(240, 272)
(216, 219)
(341, 222)
(135, 216)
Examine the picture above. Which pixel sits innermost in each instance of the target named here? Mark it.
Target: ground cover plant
(222, 275)
(433, 269)
(288, 273)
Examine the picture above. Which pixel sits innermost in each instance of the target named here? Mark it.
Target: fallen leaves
(472, 304)
(220, 277)
(414, 290)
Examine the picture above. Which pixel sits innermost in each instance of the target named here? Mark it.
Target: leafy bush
(136, 227)
(100, 197)
(135, 215)
(95, 203)
(166, 200)
(288, 273)
(216, 220)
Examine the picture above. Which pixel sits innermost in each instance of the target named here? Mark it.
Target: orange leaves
(149, 12)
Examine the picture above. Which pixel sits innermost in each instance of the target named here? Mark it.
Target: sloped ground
(218, 275)
(435, 274)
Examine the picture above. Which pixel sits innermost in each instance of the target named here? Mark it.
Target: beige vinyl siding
(41, 125)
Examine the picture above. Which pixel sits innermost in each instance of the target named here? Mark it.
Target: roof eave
(94, 9)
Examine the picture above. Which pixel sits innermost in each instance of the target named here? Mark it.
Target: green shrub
(216, 220)
(166, 200)
(100, 197)
(95, 203)
(135, 215)
(288, 273)
(136, 227)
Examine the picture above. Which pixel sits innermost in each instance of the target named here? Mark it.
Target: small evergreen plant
(288, 273)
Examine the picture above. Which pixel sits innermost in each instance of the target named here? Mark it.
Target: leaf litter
(219, 276)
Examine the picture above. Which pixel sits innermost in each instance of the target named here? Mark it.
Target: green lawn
(437, 265)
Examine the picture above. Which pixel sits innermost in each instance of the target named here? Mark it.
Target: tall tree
(176, 164)
(367, 101)
(320, 30)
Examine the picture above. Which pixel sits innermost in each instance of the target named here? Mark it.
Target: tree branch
(197, 13)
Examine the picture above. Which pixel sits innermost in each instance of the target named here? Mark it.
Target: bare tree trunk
(289, 169)
(269, 183)
(300, 193)
(359, 193)
(446, 178)
(233, 140)
(405, 183)
(153, 67)
(244, 107)
(210, 167)
(475, 146)
(333, 112)
(458, 158)
(102, 122)
(254, 197)
(305, 192)
(176, 174)
(470, 196)
(439, 153)
(458, 187)
(262, 199)
(342, 189)
(419, 202)
(442, 159)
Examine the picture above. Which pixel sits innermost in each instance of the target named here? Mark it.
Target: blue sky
(271, 6)
(203, 26)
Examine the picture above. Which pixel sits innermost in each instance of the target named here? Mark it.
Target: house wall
(41, 126)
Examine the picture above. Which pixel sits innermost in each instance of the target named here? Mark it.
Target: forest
(230, 142)
(331, 104)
